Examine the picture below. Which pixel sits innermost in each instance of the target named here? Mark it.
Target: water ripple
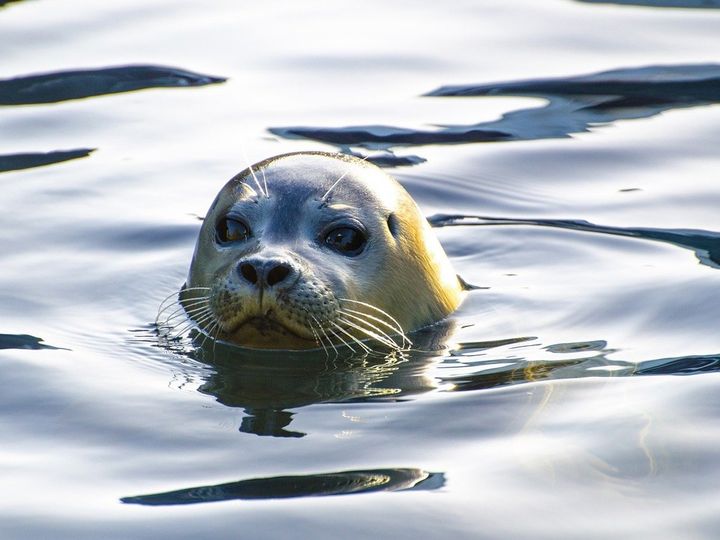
(705, 244)
(59, 86)
(574, 104)
(14, 162)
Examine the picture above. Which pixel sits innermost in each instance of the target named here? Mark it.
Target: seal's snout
(265, 273)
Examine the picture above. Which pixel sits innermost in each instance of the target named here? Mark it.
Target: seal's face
(311, 249)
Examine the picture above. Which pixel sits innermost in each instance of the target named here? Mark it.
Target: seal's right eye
(348, 241)
(231, 230)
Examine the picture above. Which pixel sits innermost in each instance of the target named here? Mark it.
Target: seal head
(311, 250)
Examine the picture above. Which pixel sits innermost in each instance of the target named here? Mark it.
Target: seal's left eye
(231, 230)
(346, 240)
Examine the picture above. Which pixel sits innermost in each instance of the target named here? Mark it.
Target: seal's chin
(266, 332)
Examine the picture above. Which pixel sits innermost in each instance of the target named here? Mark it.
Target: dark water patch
(482, 345)
(387, 136)
(517, 372)
(683, 4)
(492, 371)
(580, 346)
(681, 85)
(24, 341)
(389, 159)
(77, 84)
(574, 105)
(15, 162)
(288, 487)
(705, 244)
(4, 3)
(269, 423)
(687, 365)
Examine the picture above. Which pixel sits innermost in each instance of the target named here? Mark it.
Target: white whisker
(341, 339)
(319, 341)
(252, 172)
(215, 337)
(320, 327)
(267, 193)
(180, 311)
(352, 313)
(206, 333)
(382, 338)
(356, 340)
(197, 323)
(323, 199)
(398, 328)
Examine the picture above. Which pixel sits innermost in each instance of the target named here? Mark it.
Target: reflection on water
(270, 386)
(267, 384)
(83, 83)
(23, 341)
(13, 162)
(479, 368)
(573, 105)
(705, 244)
(310, 485)
(699, 4)
(77, 84)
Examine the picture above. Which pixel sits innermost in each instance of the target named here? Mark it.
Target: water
(577, 393)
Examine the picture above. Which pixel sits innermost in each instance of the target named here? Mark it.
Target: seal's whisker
(385, 313)
(341, 339)
(195, 289)
(180, 311)
(196, 311)
(181, 329)
(320, 326)
(182, 307)
(203, 317)
(317, 337)
(353, 314)
(323, 199)
(207, 333)
(176, 297)
(356, 340)
(252, 172)
(318, 340)
(194, 301)
(181, 314)
(267, 193)
(382, 338)
(197, 317)
(367, 333)
(347, 311)
(167, 303)
(215, 337)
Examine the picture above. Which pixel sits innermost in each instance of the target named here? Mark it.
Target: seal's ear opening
(393, 224)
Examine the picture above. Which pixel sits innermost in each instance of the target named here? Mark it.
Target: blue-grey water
(568, 154)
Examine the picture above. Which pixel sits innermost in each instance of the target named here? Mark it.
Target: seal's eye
(231, 230)
(346, 240)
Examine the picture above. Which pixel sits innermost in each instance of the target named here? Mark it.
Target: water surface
(565, 151)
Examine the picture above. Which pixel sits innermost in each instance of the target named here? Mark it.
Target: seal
(315, 250)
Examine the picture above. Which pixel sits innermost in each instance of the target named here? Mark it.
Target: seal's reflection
(267, 384)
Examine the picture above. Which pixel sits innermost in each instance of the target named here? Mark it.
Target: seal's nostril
(248, 272)
(277, 274)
